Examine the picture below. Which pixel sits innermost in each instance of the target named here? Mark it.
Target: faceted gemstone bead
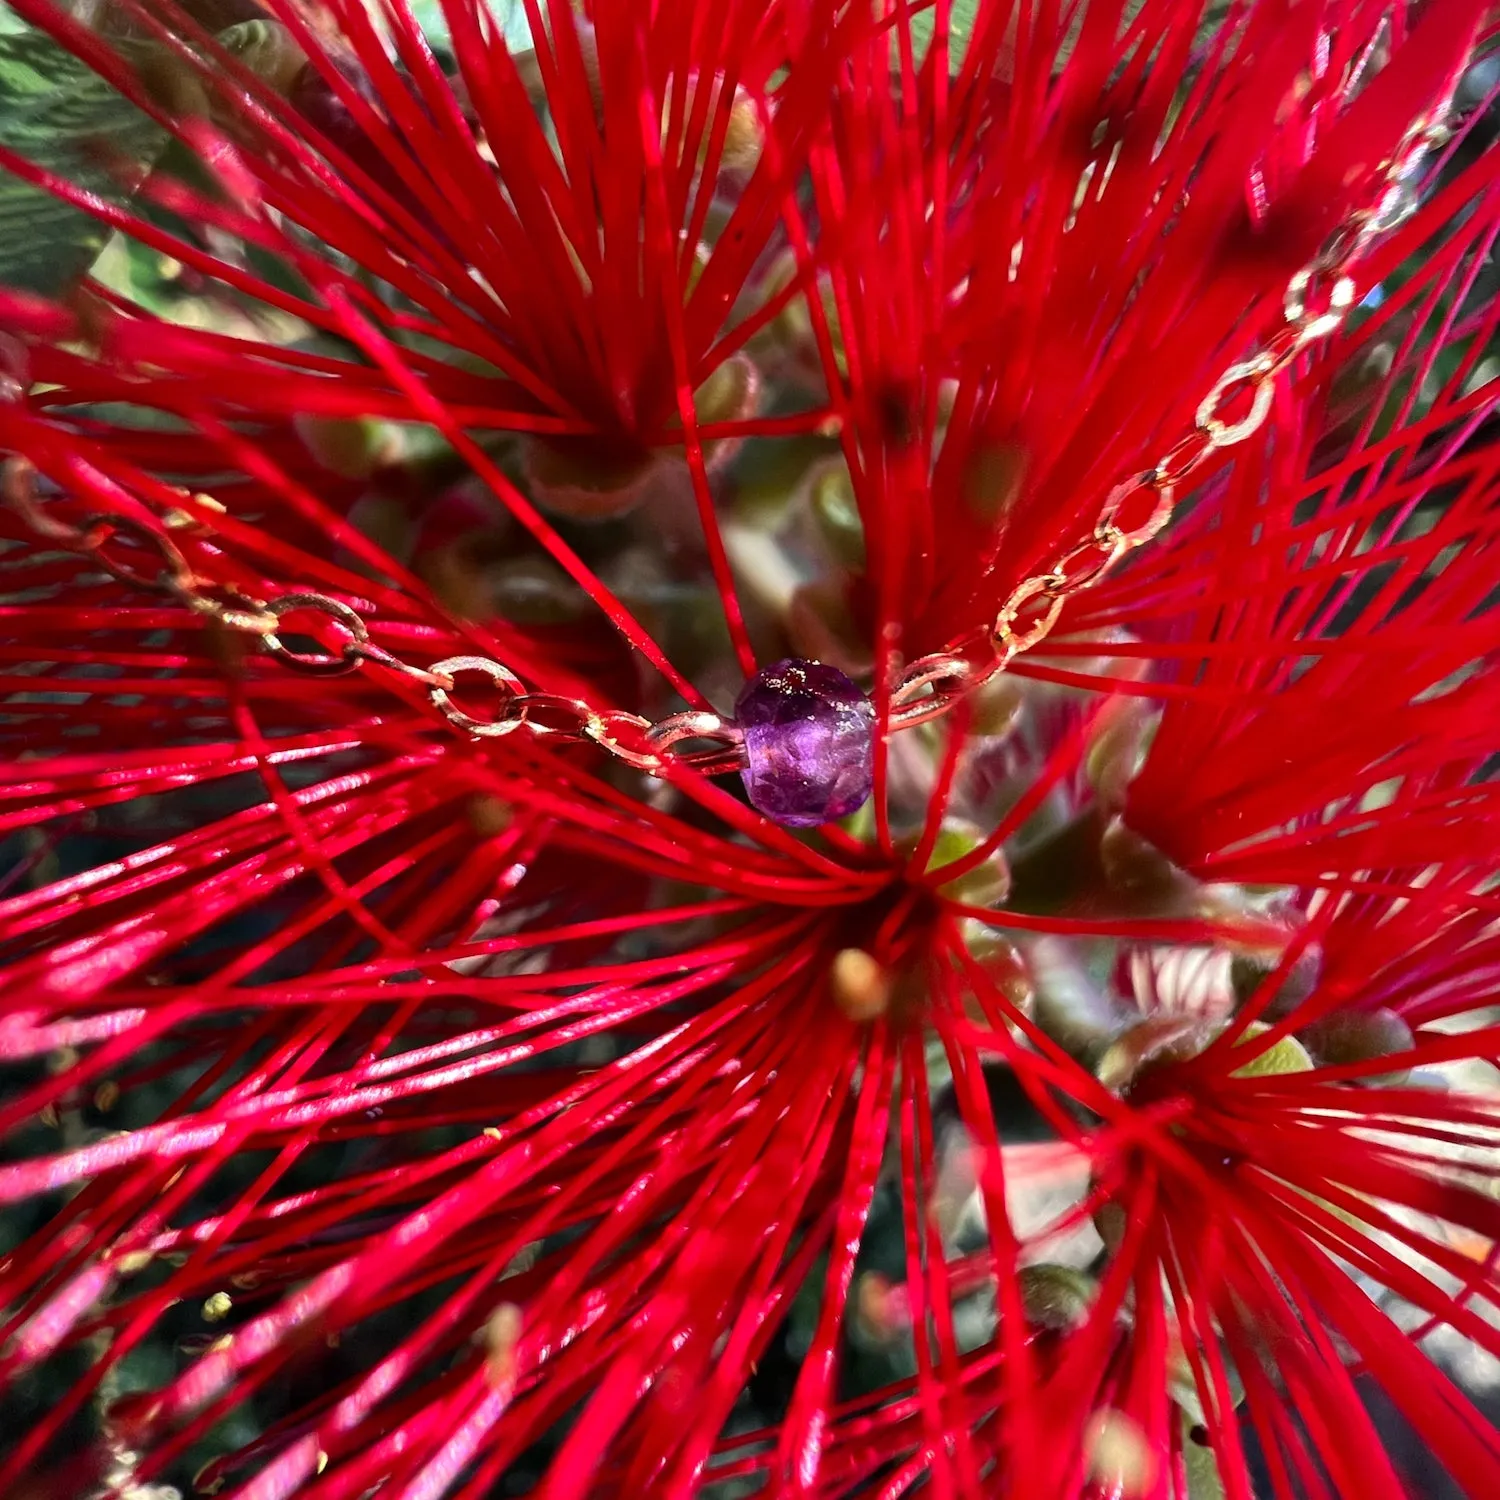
(809, 742)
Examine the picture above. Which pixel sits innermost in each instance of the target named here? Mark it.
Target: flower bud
(1150, 1043)
(174, 85)
(269, 50)
(1116, 753)
(1356, 1036)
(1139, 869)
(1110, 1223)
(351, 447)
(859, 984)
(744, 134)
(586, 479)
(1248, 972)
(217, 1307)
(731, 393)
(745, 137)
(1056, 1298)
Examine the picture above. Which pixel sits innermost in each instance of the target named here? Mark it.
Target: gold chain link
(144, 557)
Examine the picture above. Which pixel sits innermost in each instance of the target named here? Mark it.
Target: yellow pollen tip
(501, 1336)
(860, 985)
(1121, 1458)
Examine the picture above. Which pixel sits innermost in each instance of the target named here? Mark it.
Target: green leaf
(58, 114)
(1203, 1478)
(1286, 1056)
(509, 15)
(961, 15)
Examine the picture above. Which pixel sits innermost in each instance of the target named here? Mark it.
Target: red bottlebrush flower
(1374, 754)
(401, 1110)
(357, 160)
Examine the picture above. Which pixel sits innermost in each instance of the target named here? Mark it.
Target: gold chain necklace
(802, 734)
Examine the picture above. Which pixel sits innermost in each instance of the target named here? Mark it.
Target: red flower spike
(1372, 618)
(496, 1104)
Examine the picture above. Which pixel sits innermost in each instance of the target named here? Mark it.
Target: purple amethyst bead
(809, 742)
